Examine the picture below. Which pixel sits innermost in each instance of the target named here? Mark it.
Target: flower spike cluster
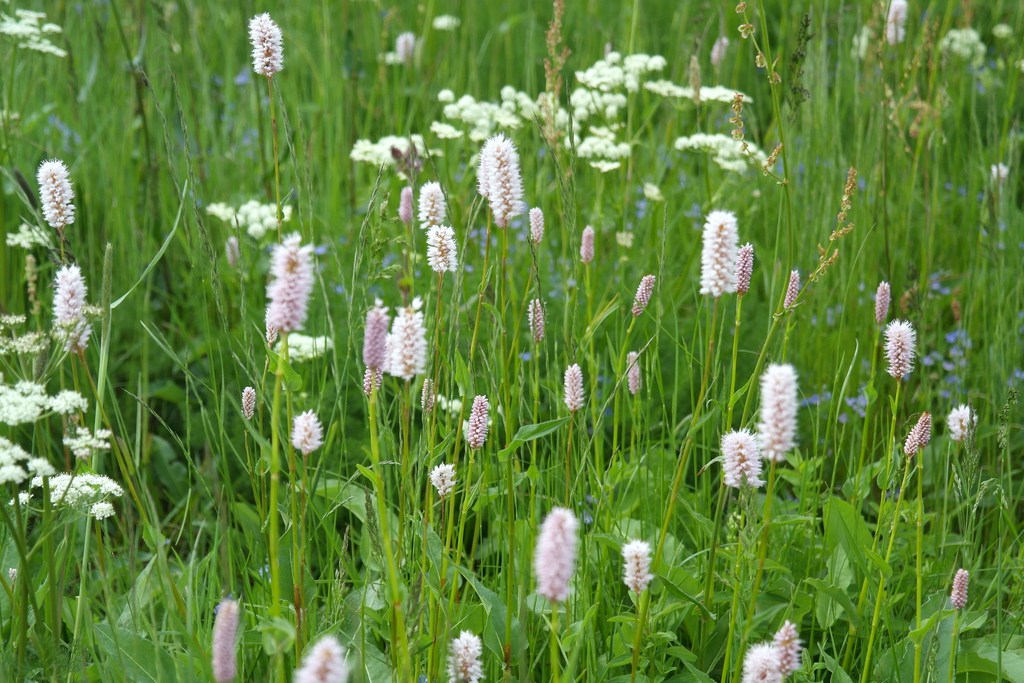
(499, 179)
(56, 194)
(718, 256)
(555, 556)
(267, 50)
(291, 266)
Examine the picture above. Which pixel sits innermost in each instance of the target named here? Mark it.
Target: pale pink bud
(267, 50)
(718, 254)
(56, 194)
(232, 251)
(464, 659)
(919, 436)
(433, 207)
(643, 294)
(587, 245)
(324, 663)
(271, 329)
(371, 380)
(225, 641)
(405, 205)
(761, 665)
(555, 556)
(307, 433)
(900, 345)
(536, 317)
(792, 290)
(882, 297)
(777, 429)
(69, 309)
(787, 643)
(636, 570)
(442, 478)
(476, 431)
(741, 460)
(291, 267)
(633, 372)
(427, 395)
(536, 225)
(958, 596)
(961, 422)
(441, 249)
(248, 402)
(499, 179)
(744, 268)
(573, 388)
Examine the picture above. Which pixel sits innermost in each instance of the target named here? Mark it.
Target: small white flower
(961, 422)
(101, 510)
(67, 402)
(446, 22)
(303, 347)
(653, 192)
(443, 479)
(636, 570)
(84, 442)
(307, 432)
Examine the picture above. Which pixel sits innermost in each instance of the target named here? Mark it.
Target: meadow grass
(887, 171)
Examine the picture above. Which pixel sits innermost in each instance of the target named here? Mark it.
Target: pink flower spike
(643, 295)
(958, 596)
(554, 558)
(587, 245)
(476, 431)
(225, 641)
(291, 269)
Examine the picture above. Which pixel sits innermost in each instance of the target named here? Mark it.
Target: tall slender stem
(403, 661)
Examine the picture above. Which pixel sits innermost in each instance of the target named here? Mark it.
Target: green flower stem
(403, 662)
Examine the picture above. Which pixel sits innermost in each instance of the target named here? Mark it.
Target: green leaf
(675, 591)
(136, 658)
(531, 432)
(367, 472)
(278, 635)
(831, 593)
(292, 379)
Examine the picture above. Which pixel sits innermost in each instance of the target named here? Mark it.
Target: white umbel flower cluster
(83, 442)
(84, 492)
(729, 154)
(255, 218)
